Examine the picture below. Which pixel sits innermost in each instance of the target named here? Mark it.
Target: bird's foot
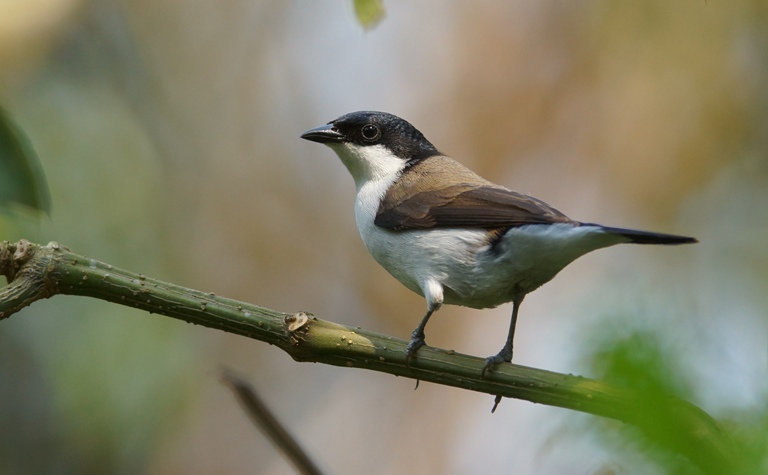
(504, 356)
(417, 341)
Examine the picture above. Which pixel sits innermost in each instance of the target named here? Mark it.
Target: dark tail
(645, 237)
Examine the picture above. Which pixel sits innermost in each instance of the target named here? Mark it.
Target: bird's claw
(491, 361)
(413, 346)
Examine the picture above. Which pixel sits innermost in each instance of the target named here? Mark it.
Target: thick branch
(36, 272)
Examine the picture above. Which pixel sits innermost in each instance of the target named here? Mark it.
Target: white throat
(374, 169)
(369, 164)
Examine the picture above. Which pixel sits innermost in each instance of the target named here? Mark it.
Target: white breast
(419, 257)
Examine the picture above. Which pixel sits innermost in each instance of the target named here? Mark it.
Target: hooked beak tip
(324, 134)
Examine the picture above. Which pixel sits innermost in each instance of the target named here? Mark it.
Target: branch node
(297, 320)
(13, 256)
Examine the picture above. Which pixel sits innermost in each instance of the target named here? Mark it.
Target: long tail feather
(646, 237)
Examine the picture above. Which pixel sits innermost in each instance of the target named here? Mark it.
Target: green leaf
(369, 12)
(21, 176)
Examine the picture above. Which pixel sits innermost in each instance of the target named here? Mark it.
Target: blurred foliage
(102, 409)
(369, 12)
(21, 177)
(638, 361)
(642, 362)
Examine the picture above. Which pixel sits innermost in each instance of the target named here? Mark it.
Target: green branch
(36, 272)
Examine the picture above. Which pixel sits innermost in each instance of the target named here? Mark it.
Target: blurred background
(169, 136)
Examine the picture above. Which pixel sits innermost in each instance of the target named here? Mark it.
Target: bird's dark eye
(371, 133)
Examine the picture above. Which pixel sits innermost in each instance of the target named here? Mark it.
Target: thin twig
(269, 424)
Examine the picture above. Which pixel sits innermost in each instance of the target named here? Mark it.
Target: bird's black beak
(324, 134)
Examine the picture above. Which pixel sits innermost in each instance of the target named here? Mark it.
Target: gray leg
(505, 355)
(433, 292)
(417, 337)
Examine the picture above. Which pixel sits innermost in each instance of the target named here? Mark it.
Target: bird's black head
(366, 128)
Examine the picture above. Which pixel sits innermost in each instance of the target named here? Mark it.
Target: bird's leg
(433, 292)
(505, 355)
(417, 337)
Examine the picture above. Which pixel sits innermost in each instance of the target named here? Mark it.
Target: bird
(450, 235)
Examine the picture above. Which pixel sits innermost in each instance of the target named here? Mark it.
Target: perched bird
(450, 235)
